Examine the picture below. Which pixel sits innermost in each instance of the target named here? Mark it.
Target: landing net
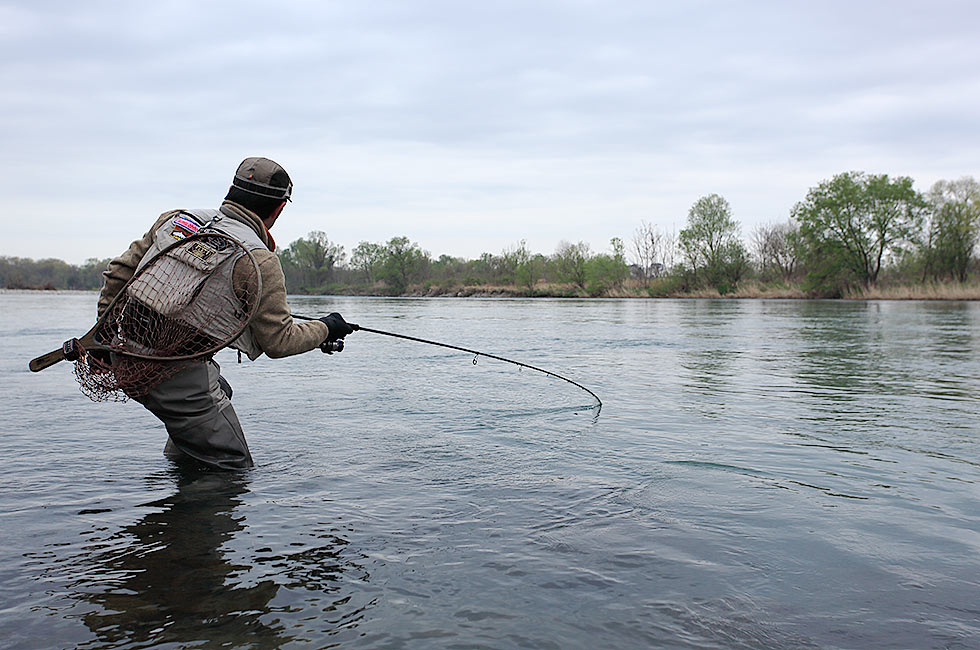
(194, 298)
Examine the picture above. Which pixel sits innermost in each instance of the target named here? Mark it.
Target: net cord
(122, 292)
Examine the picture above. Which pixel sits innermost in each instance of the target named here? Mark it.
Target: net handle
(88, 340)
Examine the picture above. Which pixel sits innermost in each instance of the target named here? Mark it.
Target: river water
(762, 474)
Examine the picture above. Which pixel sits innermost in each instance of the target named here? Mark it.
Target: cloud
(468, 126)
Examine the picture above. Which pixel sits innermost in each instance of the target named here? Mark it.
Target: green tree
(954, 228)
(569, 261)
(519, 265)
(50, 273)
(404, 263)
(490, 267)
(605, 272)
(368, 258)
(312, 259)
(711, 245)
(853, 222)
(448, 269)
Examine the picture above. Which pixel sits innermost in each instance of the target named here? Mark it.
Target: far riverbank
(745, 291)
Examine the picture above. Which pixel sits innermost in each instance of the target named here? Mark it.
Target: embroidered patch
(183, 227)
(201, 251)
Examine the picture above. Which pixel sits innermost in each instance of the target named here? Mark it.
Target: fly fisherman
(195, 403)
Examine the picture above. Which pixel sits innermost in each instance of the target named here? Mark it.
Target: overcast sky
(468, 126)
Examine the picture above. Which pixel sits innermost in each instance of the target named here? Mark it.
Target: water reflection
(846, 350)
(169, 580)
(953, 347)
(837, 349)
(711, 359)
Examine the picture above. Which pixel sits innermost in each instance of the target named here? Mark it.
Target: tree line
(852, 231)
(855, 230)
(23, 273)
(313, 264)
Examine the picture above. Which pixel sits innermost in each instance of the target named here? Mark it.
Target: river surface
(762, 474)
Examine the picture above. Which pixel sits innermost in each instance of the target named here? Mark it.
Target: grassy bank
(926, 291)
(667, 289)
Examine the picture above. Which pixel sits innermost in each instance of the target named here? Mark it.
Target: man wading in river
(195, 403)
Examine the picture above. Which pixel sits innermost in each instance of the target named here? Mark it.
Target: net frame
(113, 362)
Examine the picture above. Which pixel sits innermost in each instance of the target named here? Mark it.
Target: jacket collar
(249, 218)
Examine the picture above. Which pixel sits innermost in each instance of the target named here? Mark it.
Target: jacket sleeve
(121, 269)
(273, 326)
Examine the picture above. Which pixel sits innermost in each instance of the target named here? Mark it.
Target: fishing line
(476, 355)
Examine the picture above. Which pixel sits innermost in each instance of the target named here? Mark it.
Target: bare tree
(643, 249)
(652, 251)
(776, 246)
(668, 252)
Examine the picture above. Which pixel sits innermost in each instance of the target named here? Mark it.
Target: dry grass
(751, 290)
(747, 290)
(927, 291)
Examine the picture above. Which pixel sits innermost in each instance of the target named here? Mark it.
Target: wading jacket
(272, 330)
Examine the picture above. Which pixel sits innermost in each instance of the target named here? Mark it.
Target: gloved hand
(337, 325)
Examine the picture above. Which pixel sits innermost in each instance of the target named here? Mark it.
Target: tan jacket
(273, 326)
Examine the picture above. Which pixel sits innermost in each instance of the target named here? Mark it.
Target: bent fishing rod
(359, 328)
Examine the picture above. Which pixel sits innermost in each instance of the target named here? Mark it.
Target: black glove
(337, 325)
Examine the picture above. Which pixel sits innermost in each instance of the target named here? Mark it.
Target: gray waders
(195, 406)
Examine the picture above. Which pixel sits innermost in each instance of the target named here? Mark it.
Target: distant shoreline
(932, 292)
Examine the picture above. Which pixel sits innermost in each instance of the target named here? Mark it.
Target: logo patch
(183, 227)
(201, 251)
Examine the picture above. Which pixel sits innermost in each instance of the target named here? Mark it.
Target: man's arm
(121, 269)
(273, 326)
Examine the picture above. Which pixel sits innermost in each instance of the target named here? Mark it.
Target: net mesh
(184, 305)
